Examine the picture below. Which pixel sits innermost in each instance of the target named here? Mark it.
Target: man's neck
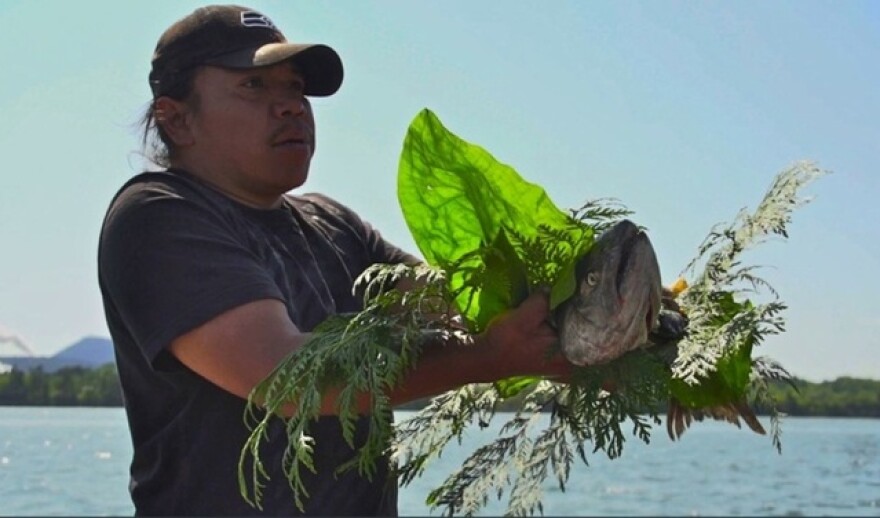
(218, 183)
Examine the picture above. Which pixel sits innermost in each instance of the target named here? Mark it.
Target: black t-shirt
(173, 254)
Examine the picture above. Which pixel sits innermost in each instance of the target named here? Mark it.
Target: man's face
(253, 130)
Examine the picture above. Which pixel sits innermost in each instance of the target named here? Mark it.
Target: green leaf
(504, 282)
(729, 380)
(726, 384)
(565, 285)
(727, 307)
(512, 386)
(457, 199)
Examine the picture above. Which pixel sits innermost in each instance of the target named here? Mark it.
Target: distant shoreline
(99, 387)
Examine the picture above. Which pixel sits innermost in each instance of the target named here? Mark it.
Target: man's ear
(173, 117)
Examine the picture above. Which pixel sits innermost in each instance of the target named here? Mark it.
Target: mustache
(296, 129)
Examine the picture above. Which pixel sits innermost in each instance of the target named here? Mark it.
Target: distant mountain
(89, 352)
(92, 350)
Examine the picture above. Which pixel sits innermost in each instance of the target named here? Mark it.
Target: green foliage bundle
(489, 238)
(705, 373)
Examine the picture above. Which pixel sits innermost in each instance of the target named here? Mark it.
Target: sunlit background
(682, 110)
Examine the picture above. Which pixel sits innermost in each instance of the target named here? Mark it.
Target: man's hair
(157, 146)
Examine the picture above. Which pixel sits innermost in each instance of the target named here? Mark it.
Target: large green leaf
(462, 206)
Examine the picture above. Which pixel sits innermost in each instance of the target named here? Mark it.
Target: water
(64, 461)
(74, 462)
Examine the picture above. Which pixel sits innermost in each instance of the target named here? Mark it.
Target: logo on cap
(255, 19)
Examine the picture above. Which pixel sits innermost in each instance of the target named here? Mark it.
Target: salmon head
(617, 298)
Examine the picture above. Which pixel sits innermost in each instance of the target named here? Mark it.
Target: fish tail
(750, 418)
(679, 418)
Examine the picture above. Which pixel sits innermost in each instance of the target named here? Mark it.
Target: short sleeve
(169, 263)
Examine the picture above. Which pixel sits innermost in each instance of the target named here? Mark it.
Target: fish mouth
(617, 317)
(640, 257)
(633, 242)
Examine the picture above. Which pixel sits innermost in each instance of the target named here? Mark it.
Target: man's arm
(239, 348)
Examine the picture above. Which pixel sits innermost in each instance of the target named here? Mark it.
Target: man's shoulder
(152, 190)
(315, 201)
(324, 207)
(156, 184)
(155, 200)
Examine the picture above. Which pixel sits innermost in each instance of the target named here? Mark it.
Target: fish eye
(592, 278)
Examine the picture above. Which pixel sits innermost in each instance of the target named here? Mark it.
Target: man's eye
(253, 82)
(296, 86)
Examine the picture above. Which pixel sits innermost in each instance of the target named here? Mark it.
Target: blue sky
(682, 110)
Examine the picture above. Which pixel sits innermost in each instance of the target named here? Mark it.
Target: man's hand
(524, 342)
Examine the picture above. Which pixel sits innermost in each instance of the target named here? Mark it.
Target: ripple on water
(616, 490)
(785, 483)
(834, 505)
(875, 503)
(766, 509)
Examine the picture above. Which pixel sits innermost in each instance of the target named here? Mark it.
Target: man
(211, 274)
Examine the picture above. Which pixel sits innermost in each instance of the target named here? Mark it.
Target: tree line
(843, 397)
(78, 386)
(70, 386)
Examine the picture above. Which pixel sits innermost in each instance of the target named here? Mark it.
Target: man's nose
(288, 104)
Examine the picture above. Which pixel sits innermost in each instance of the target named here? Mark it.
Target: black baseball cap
(232, 36)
